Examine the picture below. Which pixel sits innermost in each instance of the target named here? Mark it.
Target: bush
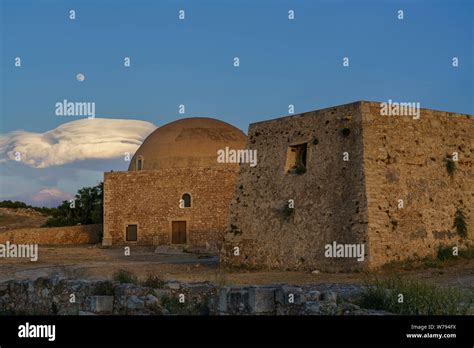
(153, 281)
(17, 204)
(450, 166)
(300, 170)
(125, 277)
(467, 253)
(288, 212)
(105, 288)
(460, 223)
(445, 253)
(419, 298)
(13, 204)
(345, 132)
(173, 305)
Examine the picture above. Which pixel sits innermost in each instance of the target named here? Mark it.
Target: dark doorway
(131, 234)
(178, 232)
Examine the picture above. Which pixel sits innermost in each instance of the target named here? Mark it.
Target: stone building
(349, 188)
(175, 192)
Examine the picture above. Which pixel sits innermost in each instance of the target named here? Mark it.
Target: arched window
(140, 163)
(186, 200)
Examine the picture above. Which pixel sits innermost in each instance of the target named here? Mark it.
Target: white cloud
(97, 138)
(49, 197)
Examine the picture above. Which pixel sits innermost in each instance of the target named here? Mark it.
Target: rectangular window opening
(296, 159)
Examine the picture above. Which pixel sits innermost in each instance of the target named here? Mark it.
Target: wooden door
(178, 232)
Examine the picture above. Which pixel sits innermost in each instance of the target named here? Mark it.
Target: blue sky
(190, 62)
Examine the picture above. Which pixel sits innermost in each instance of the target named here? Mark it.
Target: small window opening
(186, 200)
(296, 159)
(140, 163)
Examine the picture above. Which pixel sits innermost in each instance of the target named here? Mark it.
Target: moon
(80, 77)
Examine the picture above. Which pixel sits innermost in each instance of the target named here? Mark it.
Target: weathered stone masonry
(355, 201)
(150, 199)
(52, 296)
(406, 159)
(175, 192)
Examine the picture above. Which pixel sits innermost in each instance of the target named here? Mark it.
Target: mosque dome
(188, 142)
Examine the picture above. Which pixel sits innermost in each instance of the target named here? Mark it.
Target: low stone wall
(85, 234)
(75, 297)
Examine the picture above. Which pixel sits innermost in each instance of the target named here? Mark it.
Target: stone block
(313, 295)
(313, 307)
(159, 293)
(234, 300)
(289, 295)
(262, 300)
(134, 302)
(173, 285)
(101, 304)
(151, 301)
(329, 296)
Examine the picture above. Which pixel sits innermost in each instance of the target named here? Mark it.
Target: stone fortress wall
(355, 201)
(329, 198)
(405, 159)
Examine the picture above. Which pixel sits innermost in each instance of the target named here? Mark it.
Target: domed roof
(188, 142)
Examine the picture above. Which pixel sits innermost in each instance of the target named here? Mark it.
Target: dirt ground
(93, 262)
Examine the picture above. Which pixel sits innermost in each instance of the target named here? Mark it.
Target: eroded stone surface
(52, 296)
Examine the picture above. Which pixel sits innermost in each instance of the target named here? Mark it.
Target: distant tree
(13, 204)
(87, 208)
(17, 205)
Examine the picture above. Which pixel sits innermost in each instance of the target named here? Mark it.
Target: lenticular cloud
(96, 138)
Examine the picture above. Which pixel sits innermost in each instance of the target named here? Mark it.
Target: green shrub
(467, 253)
(105, 288)
(433, 263)
(288, 212)
(444, 257)
(450, 166)
(17, 204)
(125, 277)
(460, 223)
(315, 141)
(153, 281)
(173, 306)
(345, 132)
(445, 253)
(419, 298)
(300, 170)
